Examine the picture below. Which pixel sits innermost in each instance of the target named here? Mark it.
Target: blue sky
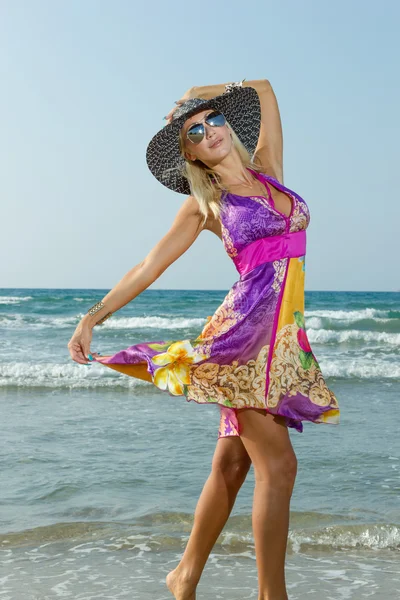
(85, 86)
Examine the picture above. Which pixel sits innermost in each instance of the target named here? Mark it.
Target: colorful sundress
(253, 352)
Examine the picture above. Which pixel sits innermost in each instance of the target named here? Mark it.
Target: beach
(100, 473)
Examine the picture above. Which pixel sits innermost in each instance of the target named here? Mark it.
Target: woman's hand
(79, 344)
(191, 93)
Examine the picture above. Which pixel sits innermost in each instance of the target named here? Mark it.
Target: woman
(222, 146)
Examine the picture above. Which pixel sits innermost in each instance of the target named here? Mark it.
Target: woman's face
(214, 146)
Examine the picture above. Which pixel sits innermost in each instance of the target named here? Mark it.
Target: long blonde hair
(205, 184)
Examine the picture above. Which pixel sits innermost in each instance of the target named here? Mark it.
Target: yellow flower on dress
(330, 416)
(175, 371)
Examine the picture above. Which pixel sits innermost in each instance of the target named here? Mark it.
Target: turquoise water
(100, 473)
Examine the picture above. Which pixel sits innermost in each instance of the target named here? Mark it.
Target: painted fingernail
(90, 357)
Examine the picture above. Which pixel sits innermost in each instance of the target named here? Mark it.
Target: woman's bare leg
(230, 466)
(266, 439)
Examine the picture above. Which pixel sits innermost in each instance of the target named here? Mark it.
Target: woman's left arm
(269, 149)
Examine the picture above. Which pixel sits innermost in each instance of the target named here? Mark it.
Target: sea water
(100, 473)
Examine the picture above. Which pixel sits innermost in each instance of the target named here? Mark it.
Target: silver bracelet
(95, 308)
(103, 319)
(229, 86)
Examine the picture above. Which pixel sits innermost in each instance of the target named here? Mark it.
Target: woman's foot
(181, 586)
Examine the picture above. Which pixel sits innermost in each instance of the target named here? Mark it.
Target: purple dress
(253, 352)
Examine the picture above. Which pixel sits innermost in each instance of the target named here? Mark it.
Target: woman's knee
(267, 441)
(233, 462)
(278, 472)
(233, 471)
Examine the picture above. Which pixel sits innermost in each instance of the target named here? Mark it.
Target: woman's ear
(190, 156)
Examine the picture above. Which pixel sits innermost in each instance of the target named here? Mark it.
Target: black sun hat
(241, 108)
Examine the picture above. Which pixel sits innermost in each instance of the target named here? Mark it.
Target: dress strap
(282, 188)
(263, 179)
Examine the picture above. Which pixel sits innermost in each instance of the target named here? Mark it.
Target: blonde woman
(222, 148)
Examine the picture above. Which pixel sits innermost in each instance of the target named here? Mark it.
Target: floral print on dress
(174, 373)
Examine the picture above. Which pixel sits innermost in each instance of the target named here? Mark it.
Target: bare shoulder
(190, 208)
(181, 235)
(190, 205)
(190, 216)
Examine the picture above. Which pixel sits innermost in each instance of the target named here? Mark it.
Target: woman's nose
(210, 131)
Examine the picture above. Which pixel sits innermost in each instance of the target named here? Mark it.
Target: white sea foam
(62, 375)
(349, 315)
(371, 536)
(326, 336)
(14, 299)
(368, 368)
(376, 536)
(353, 536)
(15, 321)
(153, 322)
(73, 375)
(321, 325)
(19, 321)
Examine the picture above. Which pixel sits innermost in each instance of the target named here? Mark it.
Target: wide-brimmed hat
(241, 107)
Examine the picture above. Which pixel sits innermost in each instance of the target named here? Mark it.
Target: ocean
(100, 473)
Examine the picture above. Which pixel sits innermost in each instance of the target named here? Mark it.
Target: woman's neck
(232, 172)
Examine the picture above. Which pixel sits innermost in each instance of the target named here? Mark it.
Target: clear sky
(85, 86)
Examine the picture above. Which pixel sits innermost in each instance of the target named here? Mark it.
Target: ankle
(187, 574)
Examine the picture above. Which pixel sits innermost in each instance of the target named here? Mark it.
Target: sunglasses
(196, 132)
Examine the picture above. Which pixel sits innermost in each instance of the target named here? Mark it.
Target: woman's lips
(215, 144)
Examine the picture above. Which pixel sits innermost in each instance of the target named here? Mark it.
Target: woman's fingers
(178, 104)
(78, 353)
(171, 112)
(79, 344)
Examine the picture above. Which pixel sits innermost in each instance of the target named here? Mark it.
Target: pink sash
(274, 247)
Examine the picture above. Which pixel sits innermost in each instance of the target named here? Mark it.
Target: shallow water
(100, 473)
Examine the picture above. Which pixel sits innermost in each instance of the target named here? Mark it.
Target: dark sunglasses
(196, 132)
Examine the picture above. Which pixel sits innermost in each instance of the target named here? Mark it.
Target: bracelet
(95, 308)
(229, 86)
(103, 318)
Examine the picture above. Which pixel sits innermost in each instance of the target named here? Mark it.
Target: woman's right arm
(183, 232)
